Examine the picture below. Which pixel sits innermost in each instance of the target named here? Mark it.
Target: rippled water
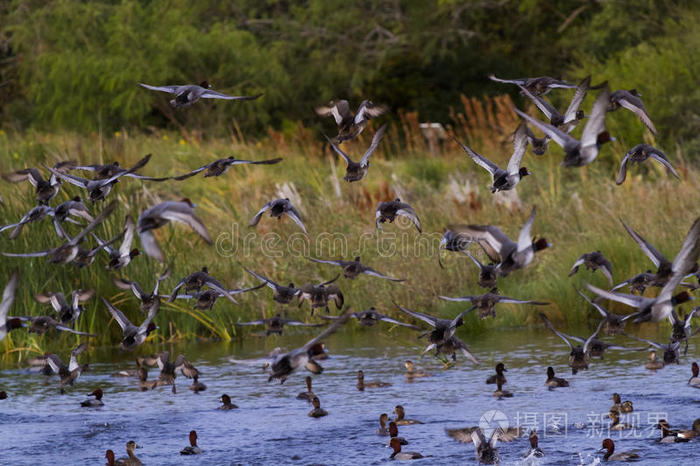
(39, 426)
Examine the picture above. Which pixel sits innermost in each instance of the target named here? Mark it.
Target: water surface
(39, 426)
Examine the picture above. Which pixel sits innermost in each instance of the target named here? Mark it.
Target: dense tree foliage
(74, 64)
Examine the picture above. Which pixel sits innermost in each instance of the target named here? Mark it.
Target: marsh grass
(578, 210)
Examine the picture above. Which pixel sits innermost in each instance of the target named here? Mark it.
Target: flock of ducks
(75, 224)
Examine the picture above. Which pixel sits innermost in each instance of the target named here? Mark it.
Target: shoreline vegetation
(578, 210)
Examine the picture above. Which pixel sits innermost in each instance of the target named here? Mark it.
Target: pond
(40, 426)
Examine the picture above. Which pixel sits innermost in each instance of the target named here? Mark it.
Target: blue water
(39, 426)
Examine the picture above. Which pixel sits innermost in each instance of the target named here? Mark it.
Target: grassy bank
(578, 211)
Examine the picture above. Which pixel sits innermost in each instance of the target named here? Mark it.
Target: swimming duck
(317, 411)
(616, 424)
(593, 261)
(620, 406)
(226, 404)
(278, 208)
(188, 94)
(8, 298)
(161, 214)
(45, 189)
(133, 335)
(196, 280)
(319, 295)
(94, 402)
(66, 252)
(36, 214)
(540, 85)
(98, 189)
(498, 377)
(104, 171)
(308, 394)
(276, 324)
(412, 373)
(355, 171)
(388, 211)
(631, 100)
(131, 460)
(693, 433)
(192, 449)
(400, 420)
(654, 364)
(580, 355)
(508, 254)
(221, 166)
(394, 433)
(553, 381)
(42, 324)
(660, 307)
(694, 380)
(282, 294)
(67, 313)
(671, 351)
(371, 316)
(566, 122)
(485, 303)
(121, 257)
(504, 180)
(610, 455)
(639, 154)
(68, 373)
(668, 435)
(149, 301)
(351, 269)
(488, 274)
(534, 451)
(350, 126)
(361, 384)
(284, 364)
(614, 323)
(443, 329)
(197, 386)
(500, 393)
(382, 430)
(395, 443)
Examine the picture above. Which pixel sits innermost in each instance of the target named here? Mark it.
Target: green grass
(577, 211)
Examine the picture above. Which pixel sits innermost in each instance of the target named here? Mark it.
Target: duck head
(97, 393)
(550, 372)
(500, 368)
(193, 438)
(225, 399)
(205, 84)
(187, 201)
(134, 252)
(541, 244)
(315, 402)
(523, 172)
(602, 139)
(110, 457)
(681, 297)
(533, 438)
